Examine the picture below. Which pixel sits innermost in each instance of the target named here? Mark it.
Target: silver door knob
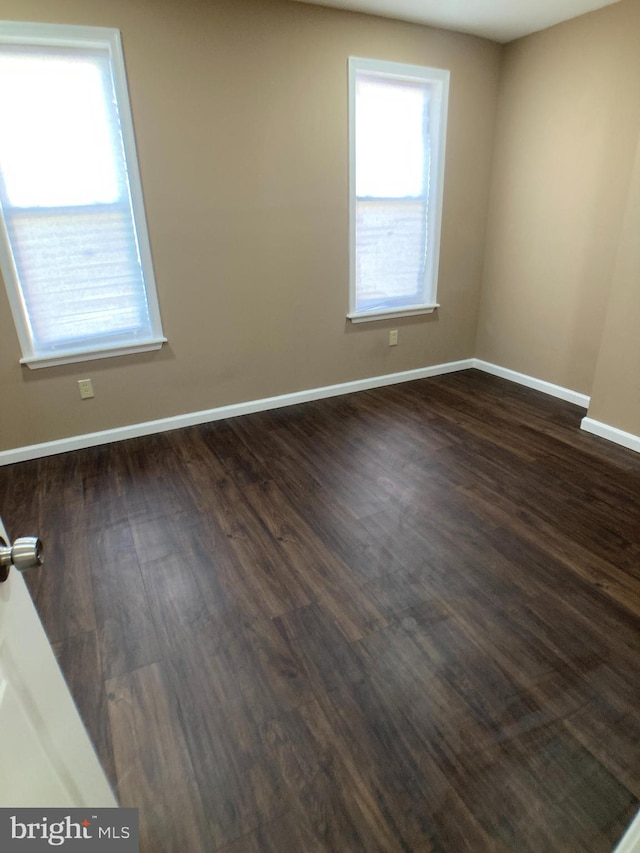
(25, 553)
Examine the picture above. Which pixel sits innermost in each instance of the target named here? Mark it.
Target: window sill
(386, 314)
(35, 362)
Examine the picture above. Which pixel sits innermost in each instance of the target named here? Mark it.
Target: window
(397, 132)
(74, 249)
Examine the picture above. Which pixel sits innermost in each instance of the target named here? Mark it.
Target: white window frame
(62, 35)
(438, 78)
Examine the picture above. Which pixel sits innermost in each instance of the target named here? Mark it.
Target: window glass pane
(57, 135)
(390, 241)
(391, 138)
(397, 134)
(75, 270)
(392, 191)
(80, 274)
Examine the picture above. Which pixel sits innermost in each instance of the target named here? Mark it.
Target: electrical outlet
(85, 386)
(393, 338)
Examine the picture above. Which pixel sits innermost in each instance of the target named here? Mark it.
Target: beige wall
(615, 398)
(240, 109)
(567, 127)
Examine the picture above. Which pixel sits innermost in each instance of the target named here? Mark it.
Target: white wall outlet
(393, 338)
(85, 387)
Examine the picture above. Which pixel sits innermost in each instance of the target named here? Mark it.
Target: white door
(46, 756)
(630, 842)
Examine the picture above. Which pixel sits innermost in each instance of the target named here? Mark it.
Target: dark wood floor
(405, 619)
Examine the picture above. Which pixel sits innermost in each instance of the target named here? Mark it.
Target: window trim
(67, 35)
(421, 74)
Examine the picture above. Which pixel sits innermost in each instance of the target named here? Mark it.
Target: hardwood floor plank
(325, 578)
(152, 763)
(269, 670)
(331, 467)
(563, 546)
(126, 633)
(291, 831)
(220, 685)
(259, 563)
(597, 726)
(500, 790)
(240, 789)
(332, 521)
(62, 588)
(348, 787)
(80, 661)
(329, 659)
(368, 724)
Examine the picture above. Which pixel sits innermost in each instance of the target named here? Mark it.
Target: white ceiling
(500, 20)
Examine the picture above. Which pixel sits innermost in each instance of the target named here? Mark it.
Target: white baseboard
(93, 439)
(531, 382)
(630, 842)
(618, 436)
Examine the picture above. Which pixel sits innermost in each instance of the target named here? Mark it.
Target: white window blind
(76, 258)
(397, 134)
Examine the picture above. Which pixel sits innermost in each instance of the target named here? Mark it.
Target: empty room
(320, 424)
